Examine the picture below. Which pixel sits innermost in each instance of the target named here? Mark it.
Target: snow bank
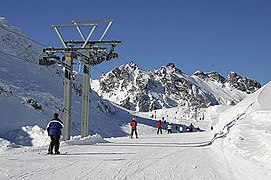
(77, 140)
(264, 97)
(5, 145)
(28, 136)
(37, 137)
(260, 100)
(248, 127)
(37, 134)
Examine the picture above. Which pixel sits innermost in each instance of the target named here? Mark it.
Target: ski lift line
(25, 37)
(68, 49)
(77, 22)
(93, 43)
(123, 59)
(91, 21)
(73, 25)
(98, 69)
(15, 56)
(55, 27)
(89, 36)
(60, 37)
(80, 32)
(105, 31)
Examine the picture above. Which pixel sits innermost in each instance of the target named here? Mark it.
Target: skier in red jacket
(159, 127)
(133, 124)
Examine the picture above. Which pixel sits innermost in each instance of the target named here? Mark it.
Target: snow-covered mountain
(137, 89)
(13, 41)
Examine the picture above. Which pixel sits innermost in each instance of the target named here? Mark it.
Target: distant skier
(159, 127)
(191, 128)
(54, 131)
(169, 127)
(163, 119)
(181, 129)
(133, 125)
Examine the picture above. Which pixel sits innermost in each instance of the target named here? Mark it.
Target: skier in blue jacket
(54, 131)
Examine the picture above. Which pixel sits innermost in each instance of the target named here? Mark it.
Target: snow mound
(37, 137)
(264, 98)
(258, 101)
(89, 140)
(5, 145)
(247, 127)
(28, 136)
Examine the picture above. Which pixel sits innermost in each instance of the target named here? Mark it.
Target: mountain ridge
(145, 90)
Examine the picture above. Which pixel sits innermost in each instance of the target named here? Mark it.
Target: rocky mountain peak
(200, 74)
(3, 21)
(171, 65)
(243, 83)
(232, 75)
(215, 76)
(131, 66)
(169, 70)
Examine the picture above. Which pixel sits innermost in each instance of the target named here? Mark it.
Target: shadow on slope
(18, 137)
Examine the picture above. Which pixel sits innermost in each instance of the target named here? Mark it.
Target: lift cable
(12, 55)
(24, 37)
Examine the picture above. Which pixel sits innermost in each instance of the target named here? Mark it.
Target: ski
(63, 153)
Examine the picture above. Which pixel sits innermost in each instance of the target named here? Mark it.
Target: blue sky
(207, 35)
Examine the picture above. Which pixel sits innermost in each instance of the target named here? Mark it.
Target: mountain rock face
(242, 83)
(136, 89)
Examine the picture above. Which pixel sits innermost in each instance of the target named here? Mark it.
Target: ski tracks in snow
(174, 156)
(172, 162)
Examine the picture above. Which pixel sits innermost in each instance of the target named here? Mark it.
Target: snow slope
(250, 134)
(224, 93)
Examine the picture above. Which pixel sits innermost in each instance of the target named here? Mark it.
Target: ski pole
(46, 141)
